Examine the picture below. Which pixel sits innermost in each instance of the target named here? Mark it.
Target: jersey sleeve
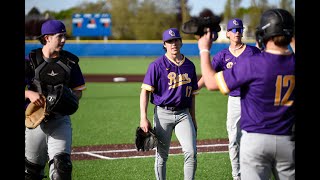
(149, 78)
(77, 80)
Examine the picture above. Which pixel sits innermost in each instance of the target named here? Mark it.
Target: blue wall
(126, 49)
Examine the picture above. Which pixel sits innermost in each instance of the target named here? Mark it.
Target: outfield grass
(109, 114)
(214, 166)
(122, 65)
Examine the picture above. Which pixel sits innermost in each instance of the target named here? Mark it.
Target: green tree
(146, 26)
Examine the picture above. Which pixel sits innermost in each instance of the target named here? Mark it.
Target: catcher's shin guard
(33, 171)
(62, 166)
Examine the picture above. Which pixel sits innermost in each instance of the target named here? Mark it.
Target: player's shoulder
(223, 51)
(252, 48)
(70, 56)
(157, 62)
(159, 59)
(219, 56)
(186, 59)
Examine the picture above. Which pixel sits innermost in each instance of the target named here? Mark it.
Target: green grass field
(122, 65)
(114, 114)
(109, 114)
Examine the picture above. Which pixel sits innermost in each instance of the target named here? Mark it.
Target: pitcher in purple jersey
(171, 83)
(45, 69)
(226, 59)
(267, 90)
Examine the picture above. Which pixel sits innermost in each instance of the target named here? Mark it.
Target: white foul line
(96, 153)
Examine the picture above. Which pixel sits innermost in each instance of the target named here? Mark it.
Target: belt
(172, 108)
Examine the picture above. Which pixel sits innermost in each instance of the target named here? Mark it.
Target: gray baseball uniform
(172, 86)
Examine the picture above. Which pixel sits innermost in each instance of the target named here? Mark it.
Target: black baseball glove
(145, 141)
(197, 25)
(63, 102)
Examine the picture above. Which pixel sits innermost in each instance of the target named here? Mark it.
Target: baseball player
(267, 91)
(50, 142)
(226, 59)
(171, 83)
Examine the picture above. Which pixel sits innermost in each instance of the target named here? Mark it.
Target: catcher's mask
(274, 22)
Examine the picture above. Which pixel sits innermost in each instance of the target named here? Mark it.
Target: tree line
(146, 20)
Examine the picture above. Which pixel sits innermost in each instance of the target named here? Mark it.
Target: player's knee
(190, 155)
(33, 171)
(62, 166)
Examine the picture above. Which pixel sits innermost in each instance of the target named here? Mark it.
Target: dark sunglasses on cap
(240, 30)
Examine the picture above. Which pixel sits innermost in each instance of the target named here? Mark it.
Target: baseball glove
(145, 141)
(62, 101)
(35, 115)
(197, 25)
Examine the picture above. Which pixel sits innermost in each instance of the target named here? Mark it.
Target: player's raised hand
(205, 41)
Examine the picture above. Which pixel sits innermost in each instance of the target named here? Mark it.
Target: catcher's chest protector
(50, 76)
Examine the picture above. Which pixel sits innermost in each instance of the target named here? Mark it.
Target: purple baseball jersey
(267, 84)
(225, 60)
(171, 84)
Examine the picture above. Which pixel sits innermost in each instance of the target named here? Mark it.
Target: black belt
(172, 108)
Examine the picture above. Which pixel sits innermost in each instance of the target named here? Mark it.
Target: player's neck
(47, 53)
(176, 57)
(274, 49)
(236, 46)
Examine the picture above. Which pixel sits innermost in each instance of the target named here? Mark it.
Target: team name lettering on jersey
(175, 81)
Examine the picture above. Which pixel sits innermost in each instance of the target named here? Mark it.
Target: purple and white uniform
(267, 84)
(223, 60)
(173, 86)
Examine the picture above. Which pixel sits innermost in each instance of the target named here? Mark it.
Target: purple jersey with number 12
(267, 92)
(171, 84)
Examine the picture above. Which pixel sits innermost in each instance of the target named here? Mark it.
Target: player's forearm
(207, 72)
(200, 83)
(144, 99)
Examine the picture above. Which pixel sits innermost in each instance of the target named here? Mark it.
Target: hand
(35, 97)
(145, 125)
(205, 42)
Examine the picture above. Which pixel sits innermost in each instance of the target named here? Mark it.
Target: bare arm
(201, 83)
(34, 97)
(204, 44)
(144, 121)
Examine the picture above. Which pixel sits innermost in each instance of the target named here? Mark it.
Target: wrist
(204, 50)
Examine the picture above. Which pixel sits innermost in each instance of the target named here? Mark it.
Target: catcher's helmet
(275, 22)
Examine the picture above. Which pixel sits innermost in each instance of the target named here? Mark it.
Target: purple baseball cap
(235, 23)
(172, 33)
(52, 27)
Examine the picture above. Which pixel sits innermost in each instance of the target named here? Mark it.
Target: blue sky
(216, 6)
